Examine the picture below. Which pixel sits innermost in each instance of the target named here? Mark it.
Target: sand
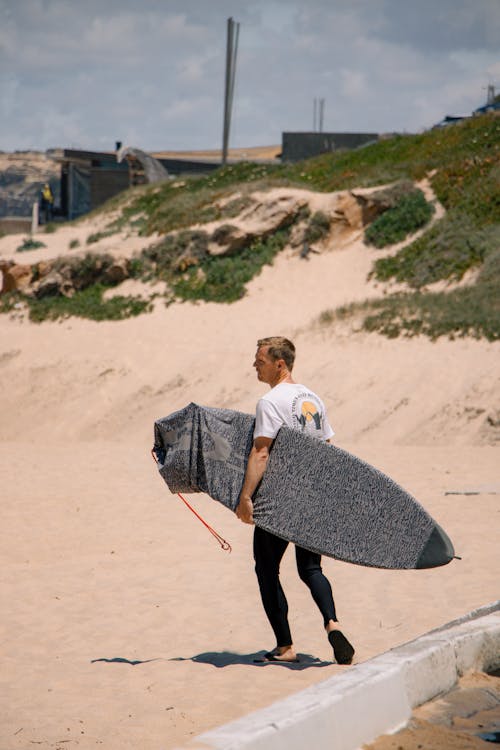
(458, 720)
(124, 624)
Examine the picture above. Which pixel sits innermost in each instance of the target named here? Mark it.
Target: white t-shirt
(295, 406)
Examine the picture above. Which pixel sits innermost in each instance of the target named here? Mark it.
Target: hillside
(200, 250)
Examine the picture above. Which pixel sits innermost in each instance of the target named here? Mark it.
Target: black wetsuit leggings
(268, 552)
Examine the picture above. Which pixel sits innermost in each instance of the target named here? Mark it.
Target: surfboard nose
(438, 549)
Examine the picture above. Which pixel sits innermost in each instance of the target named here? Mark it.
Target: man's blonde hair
(279, 348)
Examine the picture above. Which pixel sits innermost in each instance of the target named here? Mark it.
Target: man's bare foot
(281, 654)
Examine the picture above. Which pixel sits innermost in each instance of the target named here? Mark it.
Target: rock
(348, 210)
(269, 216)
(185, 261)
(357, 209)
(50, 285)
(43, 267)
(229, 239)
(375, 203)
(258, 221)
(16, 277)
(117, 272)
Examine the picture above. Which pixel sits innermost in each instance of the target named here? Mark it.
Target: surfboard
(313, 494)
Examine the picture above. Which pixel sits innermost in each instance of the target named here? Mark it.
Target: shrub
(490, 271)
(317, 228)
(87, 303)
(165, 257)
(410, 212)
(74, 243)
(467, 311)
(97, 236)
(446, 251)
(223, 279)
(86, 271)
(29, 244)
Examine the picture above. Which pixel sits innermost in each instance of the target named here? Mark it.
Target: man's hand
(244, 511)
(256, 466)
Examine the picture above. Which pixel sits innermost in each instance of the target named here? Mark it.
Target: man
(291, 404)
(46, 202)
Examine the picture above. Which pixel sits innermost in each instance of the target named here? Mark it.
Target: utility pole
(321, 114)
(233, 32)
(318, 113)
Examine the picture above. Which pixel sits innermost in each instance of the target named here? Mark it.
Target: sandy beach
(124, 624)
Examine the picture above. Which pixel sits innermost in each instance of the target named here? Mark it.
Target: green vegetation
(410, 212)
(84, 271)
(317, 227)
(73, 244)
(176, 252)
(223, 279)
(465, 158)
(96, 236)
(29, 244)
(87, 303)
(462, 162)
(465, 311)
(449, 249)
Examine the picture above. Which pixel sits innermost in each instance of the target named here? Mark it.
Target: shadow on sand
(121, 660)
(228, 658)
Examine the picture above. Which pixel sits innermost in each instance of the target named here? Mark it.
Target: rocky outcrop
(262, 219)
(348, 211)
(228, 239)
(63, 276)
(15, 276)
(360, 208)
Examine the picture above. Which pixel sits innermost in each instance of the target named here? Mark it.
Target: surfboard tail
(438, 550)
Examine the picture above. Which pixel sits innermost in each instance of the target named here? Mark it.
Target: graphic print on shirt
(307, 412)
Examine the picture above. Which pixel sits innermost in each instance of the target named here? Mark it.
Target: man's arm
(256, 466)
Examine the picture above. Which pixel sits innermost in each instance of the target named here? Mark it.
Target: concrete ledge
(370, 699)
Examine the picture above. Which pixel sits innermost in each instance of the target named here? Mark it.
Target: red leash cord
(225, 545)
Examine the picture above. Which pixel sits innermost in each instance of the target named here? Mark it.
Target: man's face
(266, 367)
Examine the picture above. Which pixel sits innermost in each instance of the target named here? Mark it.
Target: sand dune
(124, 624)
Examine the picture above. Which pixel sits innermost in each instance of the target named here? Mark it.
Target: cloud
(94, 70)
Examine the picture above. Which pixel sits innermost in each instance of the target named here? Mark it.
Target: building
(298, 146)
(90, 178)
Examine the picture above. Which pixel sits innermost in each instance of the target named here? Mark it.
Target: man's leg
(309, 568)
(268, 552)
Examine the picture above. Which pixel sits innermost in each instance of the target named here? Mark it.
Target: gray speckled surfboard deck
(313, 494)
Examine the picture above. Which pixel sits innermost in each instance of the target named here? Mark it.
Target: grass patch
(317, 228)
(87, 303)
(176, 252)
(449, 249)
(29, 244)
(74, 244)
(84, 271)
(468, 311)
(411, 212)
(97, 236)
(8, 301)
(223, 279)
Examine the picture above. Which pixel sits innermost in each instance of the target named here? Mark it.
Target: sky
(150, 73)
